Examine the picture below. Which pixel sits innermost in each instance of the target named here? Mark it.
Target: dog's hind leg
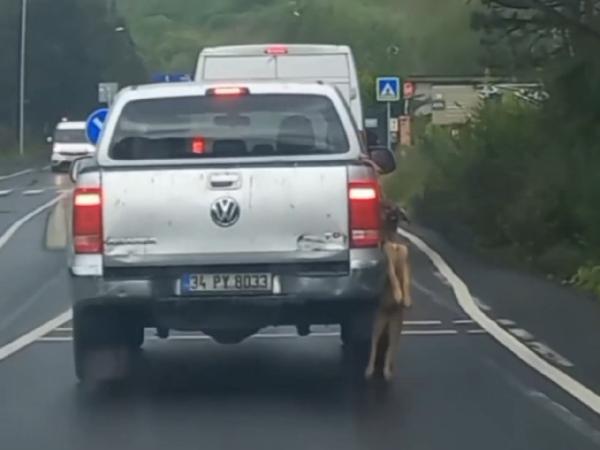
(394, 333)
(378, 329)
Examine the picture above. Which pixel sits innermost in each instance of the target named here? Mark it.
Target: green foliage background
(388, 36)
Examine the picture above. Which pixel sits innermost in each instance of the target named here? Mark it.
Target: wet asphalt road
(456, 388)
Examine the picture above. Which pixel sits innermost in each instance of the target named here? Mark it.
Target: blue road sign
(171, 77)
(94, 125)
(388, 89)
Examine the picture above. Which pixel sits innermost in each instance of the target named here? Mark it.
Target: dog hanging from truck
(389, 316)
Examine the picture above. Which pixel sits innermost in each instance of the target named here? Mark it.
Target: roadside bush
(588, 278)
(516, 181)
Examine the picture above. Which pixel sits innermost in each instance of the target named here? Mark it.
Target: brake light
(364, 197)
(198, 145)
(87, 220)
(228, 91)
(277, 50)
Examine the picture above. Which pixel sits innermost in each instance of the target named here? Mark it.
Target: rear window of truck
(228, 126)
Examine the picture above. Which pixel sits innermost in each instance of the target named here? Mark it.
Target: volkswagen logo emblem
(225, 212)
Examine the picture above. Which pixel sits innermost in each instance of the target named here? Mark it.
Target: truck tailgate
(247, 215)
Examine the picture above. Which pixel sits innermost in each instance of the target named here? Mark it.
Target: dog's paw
(408, 302)
(369, 372)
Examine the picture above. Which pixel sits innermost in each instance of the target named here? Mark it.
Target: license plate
(226, 282)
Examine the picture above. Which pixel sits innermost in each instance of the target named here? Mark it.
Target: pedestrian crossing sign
(388, 89)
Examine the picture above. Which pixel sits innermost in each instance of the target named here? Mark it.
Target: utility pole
(23, 53)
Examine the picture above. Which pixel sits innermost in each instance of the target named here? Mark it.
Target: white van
(331, 64)
(69, 143)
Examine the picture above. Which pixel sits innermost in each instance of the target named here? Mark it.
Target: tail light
(87, 220)
(227, 91)
(277, 50)
(198, 145)
(365, 223)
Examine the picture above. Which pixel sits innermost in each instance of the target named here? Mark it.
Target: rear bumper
(59, 159)
(302, 299)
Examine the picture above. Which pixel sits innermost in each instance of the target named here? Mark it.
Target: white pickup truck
(224, 209)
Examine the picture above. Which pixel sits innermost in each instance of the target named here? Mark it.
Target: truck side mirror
(384, 158)
(76, 167)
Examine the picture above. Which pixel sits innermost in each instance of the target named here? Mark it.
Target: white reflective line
(506, 322)
(6, 192)
(463, 321)
(200, 337)
(33, 335)
(64, 329)
(551, 354)
(521, 333)
(476, 332)
(34, 192)
(422, 322)
(23, 220)
(16, 174)
(524, 353)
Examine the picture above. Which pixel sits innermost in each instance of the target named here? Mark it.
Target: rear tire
(104, 342)
(356, 338)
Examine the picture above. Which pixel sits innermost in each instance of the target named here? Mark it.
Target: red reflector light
(87, 220)
(276, 50)
(365, 221)
(228, 91)
(198, 145)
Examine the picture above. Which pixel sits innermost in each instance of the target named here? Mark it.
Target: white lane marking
(506, 322)
(463, 321)
(34, 192)
(550, 354)
(6, 192)
(16, 174)
(521, 333)
(33, 335)
(441, 278)
(540, 347)
(466, 302)
(200, 337)
(481, 304)
(476, 332)
(407, 322)
(23, 220)
(422, 322)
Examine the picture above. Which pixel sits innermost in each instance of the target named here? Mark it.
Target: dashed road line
(463, 322)
(201, 337)
(34, 192)
(422, 322)
(518, 348)
(6, 192)
(521, 333)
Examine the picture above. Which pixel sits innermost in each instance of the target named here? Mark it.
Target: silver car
(225, 209)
